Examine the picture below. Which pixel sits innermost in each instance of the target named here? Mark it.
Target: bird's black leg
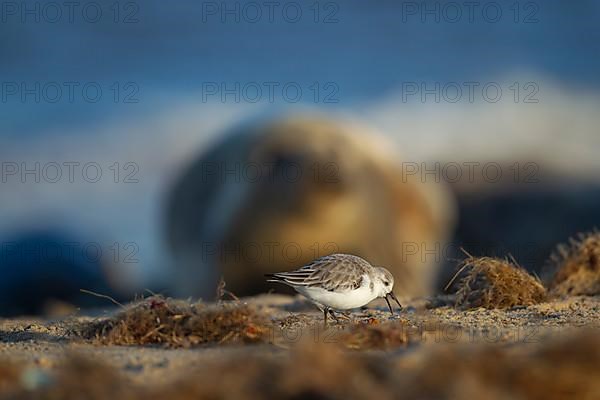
(334, 316)
(325, 312)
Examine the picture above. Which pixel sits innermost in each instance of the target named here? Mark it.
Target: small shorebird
(339, 282)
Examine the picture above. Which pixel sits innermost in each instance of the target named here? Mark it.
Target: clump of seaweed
(496, 283)
(363, 335)
(178, 323)
(574, 268)
(375, 336)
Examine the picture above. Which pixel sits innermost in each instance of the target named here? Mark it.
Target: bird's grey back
(335, 272)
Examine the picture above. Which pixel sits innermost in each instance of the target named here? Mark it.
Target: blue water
(367, 49)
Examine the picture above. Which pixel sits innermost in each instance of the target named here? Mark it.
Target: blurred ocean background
(157, 64)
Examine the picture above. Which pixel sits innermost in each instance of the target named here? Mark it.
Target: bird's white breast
(341, 300)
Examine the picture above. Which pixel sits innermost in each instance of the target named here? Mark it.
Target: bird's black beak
(393, 296)
(388, 303)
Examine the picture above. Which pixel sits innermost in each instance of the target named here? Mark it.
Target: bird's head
(384, 284)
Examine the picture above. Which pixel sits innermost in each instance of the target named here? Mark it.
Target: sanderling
(339, 282)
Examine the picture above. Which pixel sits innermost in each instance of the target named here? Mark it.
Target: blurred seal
(272, 197)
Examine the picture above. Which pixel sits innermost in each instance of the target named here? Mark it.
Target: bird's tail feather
(274, 278)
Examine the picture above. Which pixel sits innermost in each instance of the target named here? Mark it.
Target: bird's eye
(386, 283)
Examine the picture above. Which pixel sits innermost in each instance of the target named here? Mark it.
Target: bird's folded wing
(334, 278)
